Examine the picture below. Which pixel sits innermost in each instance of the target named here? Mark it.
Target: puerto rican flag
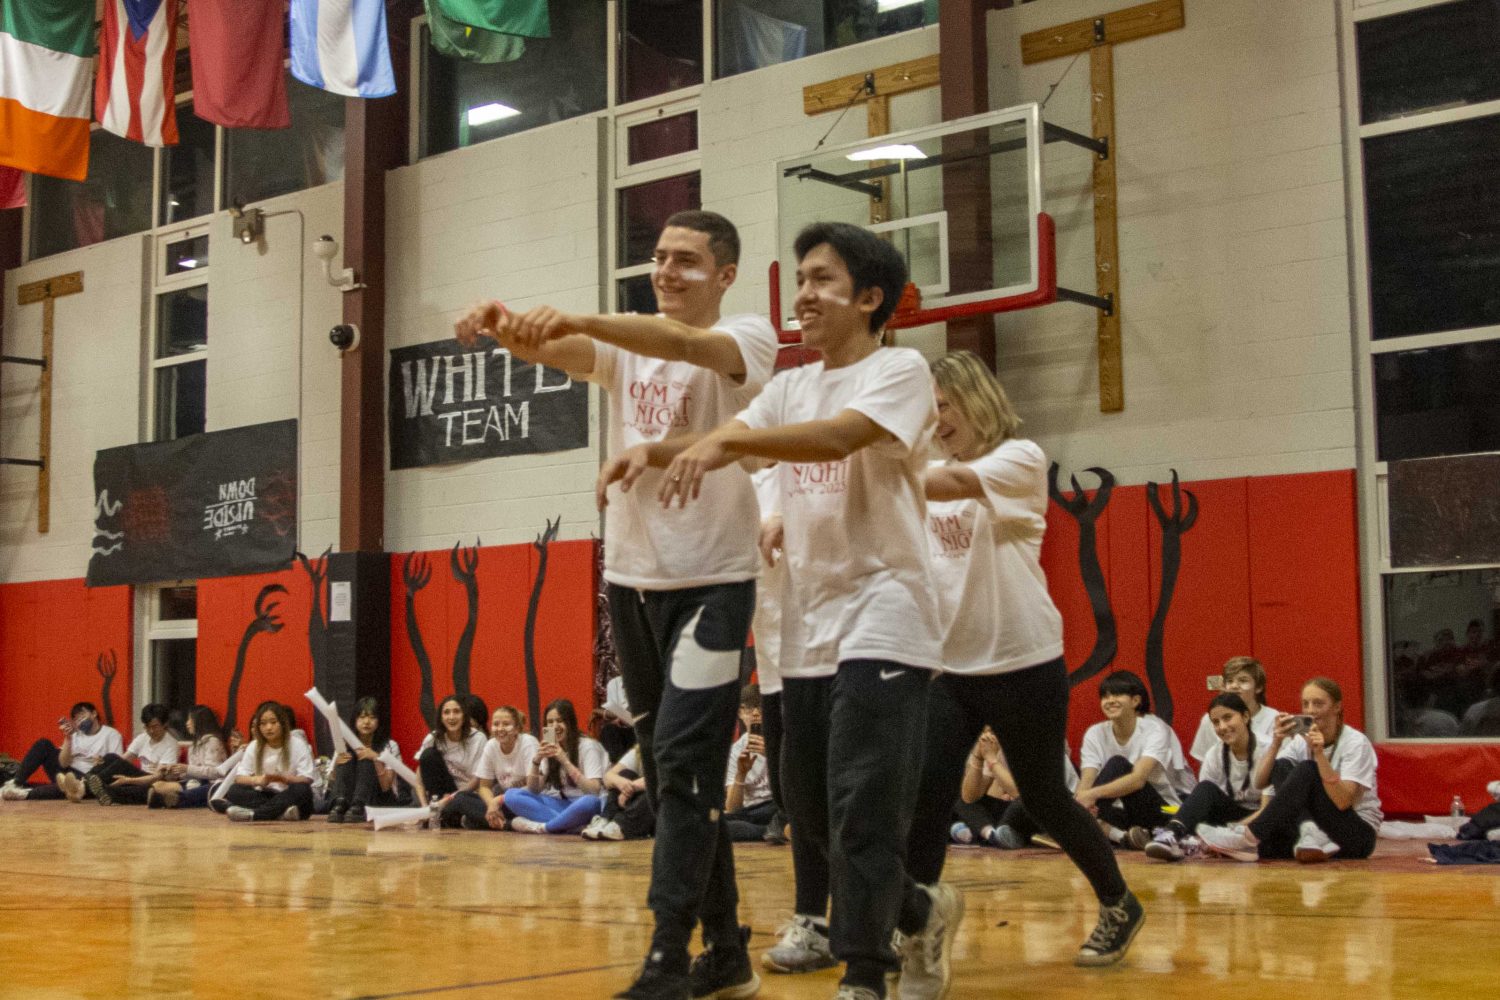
(134, 95)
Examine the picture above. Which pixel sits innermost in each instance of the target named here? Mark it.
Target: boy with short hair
(86, 742)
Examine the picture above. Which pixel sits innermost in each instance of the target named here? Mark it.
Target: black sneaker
(655, 982)
(1117, 927)
(97, 789)
(724, 973)
(355, 813)
(336, 812)
(470, 823)
(776, 829)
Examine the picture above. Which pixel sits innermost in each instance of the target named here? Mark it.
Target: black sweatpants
(114, 764)
(635, 818)
(750, 824)
(1028, 711)
(357, 783)
(43, 754)
(1142, 807)
(985, 811)
(681, 656)
(1208, 803)
(870, 719)
(771, 730)
(268, 804)
(437, 780)
(1299, 796)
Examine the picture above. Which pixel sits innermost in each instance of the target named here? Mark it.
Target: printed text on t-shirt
(656, 407)
(953, 535)
(820, 477)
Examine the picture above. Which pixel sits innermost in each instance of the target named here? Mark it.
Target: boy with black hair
(86, 742)
(851, 432)
(681, 583)
(126, 779)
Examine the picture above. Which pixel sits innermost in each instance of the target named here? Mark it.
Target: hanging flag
(464, 41)
(46, 66)
(12, 188)
(134, 95)
(237, 50)
(528, 18)
(341, 46)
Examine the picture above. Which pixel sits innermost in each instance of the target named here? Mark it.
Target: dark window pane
(635, 295)
(177, 604)
(752, 34)
(181, 400)
(557, 78)
(187, 255)
(1441, 632)
(182, 322)
(663, 137)
(115, 199)
(661, 46)
(1434, 228)
(1437, 57)
(264, 163)
(174, 673)
(187, 177)
(645, 208)
(1441, 401)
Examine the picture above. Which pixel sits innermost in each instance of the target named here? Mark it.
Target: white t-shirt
(462, 758)
(593, 761)
(153, 755)
(1240, 781)
(646, 545)
(1152, 738)
(1353, 758)
(507, 770)
(757, 779)
(859, 573)
(986, 559)
(295, 757)
(770, 590)
(1205, 739)
(89, 750)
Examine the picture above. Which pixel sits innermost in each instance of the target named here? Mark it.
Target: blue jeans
(560, 815)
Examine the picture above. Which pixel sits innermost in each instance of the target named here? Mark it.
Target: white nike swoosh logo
(886, 675)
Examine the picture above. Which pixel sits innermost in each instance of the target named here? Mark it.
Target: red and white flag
(134, 94)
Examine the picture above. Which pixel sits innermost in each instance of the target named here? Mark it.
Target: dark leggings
(43, 754)
(986, 811)
(1028, 711)
(1142, 807)
(1300, 796)
(771, 732)
(1207, 803)
(114, 764)
(357, 783)
(635, 818)
(436, 779)
(268, 805)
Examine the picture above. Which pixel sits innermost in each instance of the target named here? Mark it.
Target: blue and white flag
(341, 46)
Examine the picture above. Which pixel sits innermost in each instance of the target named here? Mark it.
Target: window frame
(154, 629)
(163, 284)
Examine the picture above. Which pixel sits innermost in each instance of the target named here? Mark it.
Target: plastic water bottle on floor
(1457, 809)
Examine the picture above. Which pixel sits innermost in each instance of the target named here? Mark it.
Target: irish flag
(46, 64)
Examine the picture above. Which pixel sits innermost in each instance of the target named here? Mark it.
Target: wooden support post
(878, 122)
(47, 293)
(1106, 231)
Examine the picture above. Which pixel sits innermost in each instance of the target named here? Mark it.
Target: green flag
(527, 18)
(463, 41)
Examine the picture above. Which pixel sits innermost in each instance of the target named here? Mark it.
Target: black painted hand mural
(1086, 512)
(317, 639)
(106, 666)
(1173, 527)
(533, 690)
(265, 620)
(464, 564)
(416, 574)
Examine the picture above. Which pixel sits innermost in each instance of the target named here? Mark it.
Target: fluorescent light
(187, 263)
(486, 113)
(900, 151)
(886, 5)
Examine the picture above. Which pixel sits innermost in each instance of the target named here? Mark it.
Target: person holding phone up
(560, 796)
(1326, 802)
(86, 741)
(748, 804)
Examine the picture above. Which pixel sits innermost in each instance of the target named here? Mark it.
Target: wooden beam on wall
(1119, 26)
(897, 78)
(1106, 230)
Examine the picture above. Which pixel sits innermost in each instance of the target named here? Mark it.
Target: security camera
(325, 248)
(344, 336)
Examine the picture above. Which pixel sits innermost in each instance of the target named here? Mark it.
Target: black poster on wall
(216, 504)
(449, 403)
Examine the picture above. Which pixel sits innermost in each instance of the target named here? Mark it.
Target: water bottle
(1457, 809)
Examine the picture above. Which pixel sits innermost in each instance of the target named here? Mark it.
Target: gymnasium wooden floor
(126, 903)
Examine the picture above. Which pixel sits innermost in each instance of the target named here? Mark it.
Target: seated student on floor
(275, 777)
(627, 811)
(989, 809)
(1132, 764)
(503, 766)
(748, 806)
(449, 756)
(86, 741)
(560, 796)
(1326, 802)
(188, 785)
(126, 779)
(1226, 791)
(361, 778)
(1244, 676)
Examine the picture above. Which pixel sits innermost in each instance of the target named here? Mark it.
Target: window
(555, 79)
(661, 47)
(1441, 630)
(753, 34)
(187, 169)
(1438, 401)
(115, 199)
(171, 646)
(640, 212)
(1428, 59)
(659, 138)
(264, 163)
(180, 366)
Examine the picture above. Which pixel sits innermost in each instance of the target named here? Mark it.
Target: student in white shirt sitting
(503, 767)
(275, 777)
(1327, 802)
(360, 778)
(188, 785)
(127, 779)
(1244, 676)
(560, 796)
(748, 804)
(1132, 763)
(627, 811)
(449, 757)
(1225, 792)
(989, 808)
(85, 743)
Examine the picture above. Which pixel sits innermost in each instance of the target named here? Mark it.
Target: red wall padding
(1422, 778)
(51, 636)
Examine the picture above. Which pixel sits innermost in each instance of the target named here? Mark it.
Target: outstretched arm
(573, 354)
(651, 336)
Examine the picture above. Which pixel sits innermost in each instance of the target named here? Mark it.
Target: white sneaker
(240, 814)
(927, 956)
(848, 992)
(803, 948)
(960, 833)
(611, 831)
(591, 832)
(1164, 846)
(523, 825)
(1494, 789)
(12, 792)
(1313, 845)
(1230, 841)
(291, 813)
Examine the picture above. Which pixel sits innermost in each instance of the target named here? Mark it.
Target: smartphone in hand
(1301, 725)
